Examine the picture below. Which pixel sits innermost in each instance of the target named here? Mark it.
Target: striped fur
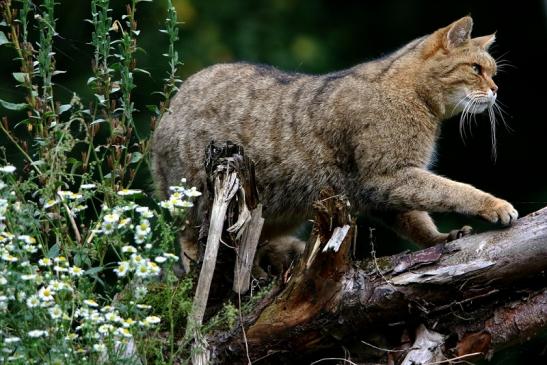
(368, 132)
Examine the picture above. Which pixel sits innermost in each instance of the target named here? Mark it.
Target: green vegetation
(81, 250)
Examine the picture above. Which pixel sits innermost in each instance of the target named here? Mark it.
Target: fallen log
(479, 293)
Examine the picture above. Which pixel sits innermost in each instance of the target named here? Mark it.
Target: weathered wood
(246, 251)
(440, 287)
(427, 348)
(225, 188)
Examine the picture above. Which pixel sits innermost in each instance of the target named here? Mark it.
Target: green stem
(21, 149)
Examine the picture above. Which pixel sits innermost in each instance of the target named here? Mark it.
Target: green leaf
(53, 251)
(142, 71)
(63, 108)
(94, 270)
(3, 39)
(153, 108)
(135, 157)
(98, 121)
(19, 76)
(13, 106)
(100, 98)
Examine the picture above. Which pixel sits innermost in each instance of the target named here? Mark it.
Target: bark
(479, 293)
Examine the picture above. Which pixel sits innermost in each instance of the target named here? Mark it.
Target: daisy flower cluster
(180, 198)
(52, 300)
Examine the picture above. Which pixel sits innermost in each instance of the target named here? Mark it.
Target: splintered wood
(231, 179)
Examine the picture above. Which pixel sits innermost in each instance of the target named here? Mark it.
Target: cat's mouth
(478, 104)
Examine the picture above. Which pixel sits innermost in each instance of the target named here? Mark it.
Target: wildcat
(368, 132)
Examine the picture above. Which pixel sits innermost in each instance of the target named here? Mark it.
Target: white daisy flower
(151, 320)
(96, 317)
(33, 301)
(128, 192)
(99, 347)
(128, 322)
(145, 212)
(55, 312)
(6, 256)
(160, 259)
(87, 186)
(30, 248)
(183, 204)
(27, 239)
(140, 292)
(105, 329)
(28, 277)
(112, 317)
(153, 268)
(129, 249)
(10, 340)
(123, 332)
(50, 203)
(91, 303)
(21, 296)
(124, 222)
(61, 260)
(46, 294)
(170, 256)
(137, 259)
(45, 262)
(122, 269)
(37, 333)
(10, 169)
(192, 192)
(142, 270)
(75, 271)
(71, 336)
(58, 268)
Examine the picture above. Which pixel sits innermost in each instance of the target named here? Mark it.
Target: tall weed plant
(80, 248)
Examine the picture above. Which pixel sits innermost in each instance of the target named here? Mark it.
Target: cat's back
(281, 118)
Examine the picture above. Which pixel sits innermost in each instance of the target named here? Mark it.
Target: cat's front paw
(498, 210)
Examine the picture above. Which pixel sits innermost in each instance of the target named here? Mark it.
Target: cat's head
(462, 67)
(459, 70)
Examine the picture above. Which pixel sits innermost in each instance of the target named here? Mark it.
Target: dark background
(325, 35)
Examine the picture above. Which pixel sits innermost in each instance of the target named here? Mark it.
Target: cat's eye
(477, 68)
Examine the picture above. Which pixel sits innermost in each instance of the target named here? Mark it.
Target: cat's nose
(494, 88)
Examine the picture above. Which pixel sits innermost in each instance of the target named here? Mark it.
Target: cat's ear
(485, 42)
(448, 37)
(458, 33)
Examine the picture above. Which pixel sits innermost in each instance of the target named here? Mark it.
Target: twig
(373, 254)
(242, 326)
(386, 350)
(454, 358)
(333, 359)
(72, 222)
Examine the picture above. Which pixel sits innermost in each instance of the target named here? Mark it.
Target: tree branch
(482, 292)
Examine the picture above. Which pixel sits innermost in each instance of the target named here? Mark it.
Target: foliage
(79, 247)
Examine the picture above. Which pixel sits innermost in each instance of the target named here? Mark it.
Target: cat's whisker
(498, 109)
(462, 121)
(467, 114)
(493, 132)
